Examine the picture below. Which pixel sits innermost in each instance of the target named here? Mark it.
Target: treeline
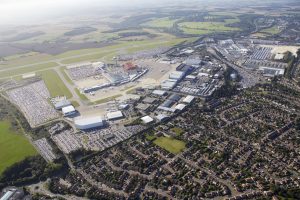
(291, 60)
(229, 88)
(246, 22)
(130, 34)
(286, 193)
(80, 31)
(81, 154)
(297, 124)
(9, 112)
(19, 123)
(39, 196)
(31, 170)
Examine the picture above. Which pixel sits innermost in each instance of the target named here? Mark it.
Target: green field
(14, 147)
(231, 21)
(75, 104)
(220, 17)
(54, 84)
(150, 136)
(272, 30)
(259, 35)
(207, 27)
(231, 14)
(170, 144)
(24, 70)
(160, 23)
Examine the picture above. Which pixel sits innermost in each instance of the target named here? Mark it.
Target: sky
(31, 11)
(36, 11)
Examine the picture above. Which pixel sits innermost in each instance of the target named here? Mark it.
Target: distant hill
(80, 31)
(23, 36)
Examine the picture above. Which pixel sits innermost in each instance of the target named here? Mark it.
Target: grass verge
(106, 99)
(81, 96)
(54, 84)
(24, 70)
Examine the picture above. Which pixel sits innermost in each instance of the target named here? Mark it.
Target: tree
(297, 125)
(298, 53)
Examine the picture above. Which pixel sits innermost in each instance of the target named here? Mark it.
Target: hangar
(84, 123)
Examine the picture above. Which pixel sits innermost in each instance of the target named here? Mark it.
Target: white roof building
(180, 107)
(188, 99)
(188, 51)
(114, 115)
(190, 77)
(159, 92)
(147, 119)
(68, 110)
(177, 75)
(123, 106)
(26, 76)
(203, 74)
(88, 122)
(192, 61)
(166, 109)
(279, 56)
(168, 84)
(7, 195)
(271, 71)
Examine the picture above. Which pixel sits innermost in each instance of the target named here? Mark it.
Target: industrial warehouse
(265, 59)
(195, 77)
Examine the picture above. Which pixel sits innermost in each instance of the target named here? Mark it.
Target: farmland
(160, 23)
(231, 14)
(14, 147)
(206, 27)
(272, 30)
